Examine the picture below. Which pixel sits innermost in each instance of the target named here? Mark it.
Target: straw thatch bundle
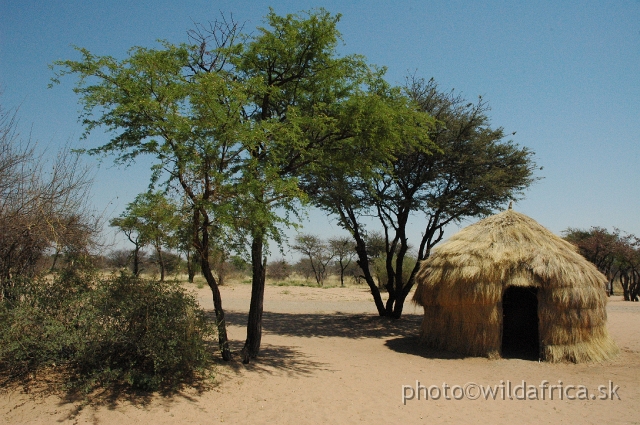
(461, 288)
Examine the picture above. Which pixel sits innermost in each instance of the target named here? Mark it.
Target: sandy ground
(327, 358)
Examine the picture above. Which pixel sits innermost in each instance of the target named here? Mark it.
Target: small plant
(200, 282)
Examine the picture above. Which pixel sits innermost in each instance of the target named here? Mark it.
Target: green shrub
(147, 333)
(35, 328)
(118, 330)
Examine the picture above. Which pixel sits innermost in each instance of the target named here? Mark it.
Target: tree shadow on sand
(114, 394)
(274, 359)
(404, 331)
(72, 401)
(343, 325)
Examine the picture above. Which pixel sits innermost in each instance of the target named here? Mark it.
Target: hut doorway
(520, 338)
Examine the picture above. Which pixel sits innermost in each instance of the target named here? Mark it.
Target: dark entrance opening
(520, 323)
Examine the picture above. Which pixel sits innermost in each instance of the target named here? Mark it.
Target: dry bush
(278, 270)
(43, 207)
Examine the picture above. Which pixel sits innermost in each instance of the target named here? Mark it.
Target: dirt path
(327, 358)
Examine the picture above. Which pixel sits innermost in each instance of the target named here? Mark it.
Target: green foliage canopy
(471, 173)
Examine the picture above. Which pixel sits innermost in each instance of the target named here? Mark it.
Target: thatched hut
(505, 284)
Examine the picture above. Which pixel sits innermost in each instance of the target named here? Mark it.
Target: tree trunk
(349, 217)
(398, 306)
(221, 324)
(201, 223)
(363, 262)
(222, 272)
(610, 283)
(136, 261)
(315, 272)
(55, 260)
(624, 282)
(254, 325)
(160, 262)
(191, 270)
(634, 290)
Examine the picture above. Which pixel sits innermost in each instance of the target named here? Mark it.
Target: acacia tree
(184, 240)
(303, 267)
(119, 258)
(305, 86)
(342, 249)
(597, 245)
(318, 253)
(160, 223)
(151, 218)
(131, 227)
(473, 172)
(309, 108)
(628, 268)
(189, 122)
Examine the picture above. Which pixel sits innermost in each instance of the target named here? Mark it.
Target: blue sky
(565, 76)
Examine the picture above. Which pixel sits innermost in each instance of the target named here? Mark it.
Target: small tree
(119, 258)
(156, 103)
(150, 219)
(219, 256)
(628, 265)
(303, 268)
(317, 252)
(131, 226)
(597, 245)
(158, 222)
(343, 250)
(173, 263)
(184, 240)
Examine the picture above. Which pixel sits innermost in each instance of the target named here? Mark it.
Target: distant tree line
(615, 254)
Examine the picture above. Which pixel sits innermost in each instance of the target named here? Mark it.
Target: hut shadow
(411, 345)
(343, 325)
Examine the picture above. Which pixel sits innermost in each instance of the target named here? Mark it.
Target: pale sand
(327, 358)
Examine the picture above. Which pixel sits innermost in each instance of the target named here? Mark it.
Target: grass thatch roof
(461, 287)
